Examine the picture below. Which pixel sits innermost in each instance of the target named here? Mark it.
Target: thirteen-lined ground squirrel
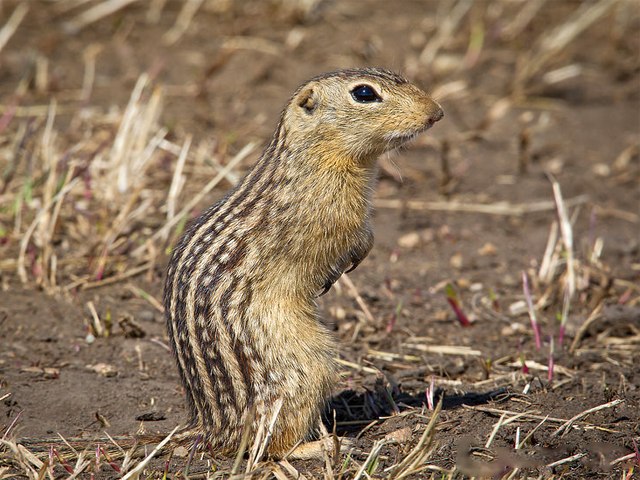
(242, 282)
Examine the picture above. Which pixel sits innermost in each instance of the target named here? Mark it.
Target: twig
(445, 31)
(551, 362)
(34, 110)
(533, 365)
(498, 208)
(161, 232)
(117, 278)
(355, 366)
(530, 416)
(244, 440)
(89, 55)
(277, 406)
(522, 19)
(137, 291)
(595, 315)
(415, 460)
(13, 423)
(371, 459)
(547, 266)
(522, 442)
(570, 459)
(524, 153)
(9, 28)
(566, 303)
(251, 43)
(565, 426)
(139, 467)
(444, 349)
(41, 76)
(131, 152)
(188, 11)
(99, 11)
(294, 472)
(566, 232)
(22, 272)
(623, 459)
(616, 213)
(390, 356)
(97, 324)
(178, 180)
(495, 429)
(363, 306)
(551, 44)
(532, 312)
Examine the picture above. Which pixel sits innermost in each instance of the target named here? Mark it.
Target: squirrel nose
(435, 116)
(438, 115)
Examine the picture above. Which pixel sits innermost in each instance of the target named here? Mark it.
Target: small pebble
(338, 313)
(409, 240)
(456, 261)
(487, 249)
(518, 307)
(104, 369)
(601, 169)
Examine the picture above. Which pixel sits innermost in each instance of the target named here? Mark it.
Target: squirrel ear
(307, 100)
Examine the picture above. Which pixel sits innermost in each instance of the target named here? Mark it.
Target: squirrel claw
(325, 288)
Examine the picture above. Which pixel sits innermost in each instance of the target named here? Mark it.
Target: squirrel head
(355, 115)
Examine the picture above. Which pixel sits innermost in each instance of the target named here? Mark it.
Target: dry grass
(87, 200)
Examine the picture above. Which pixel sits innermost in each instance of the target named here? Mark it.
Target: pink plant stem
(394, 317)
(111, 463)
(525, 368)
(452, 298)
(102, 261)
(51, 460)
(13, 424)
(429, 393)
(551, 359)
(462, 318)
(63, 462)
(8, 115)
(624, 298)
(96, 468)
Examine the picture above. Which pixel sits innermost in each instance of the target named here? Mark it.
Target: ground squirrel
(242, 282)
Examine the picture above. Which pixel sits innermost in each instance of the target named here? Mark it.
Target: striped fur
(242, 281)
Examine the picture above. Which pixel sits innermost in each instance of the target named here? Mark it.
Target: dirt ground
(506, 137)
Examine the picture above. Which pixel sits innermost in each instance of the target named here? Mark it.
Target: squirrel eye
(365, 94)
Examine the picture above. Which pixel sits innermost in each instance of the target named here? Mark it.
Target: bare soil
(582, 130)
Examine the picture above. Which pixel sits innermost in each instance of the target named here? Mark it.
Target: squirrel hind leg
(318, 449)
(186, 436)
